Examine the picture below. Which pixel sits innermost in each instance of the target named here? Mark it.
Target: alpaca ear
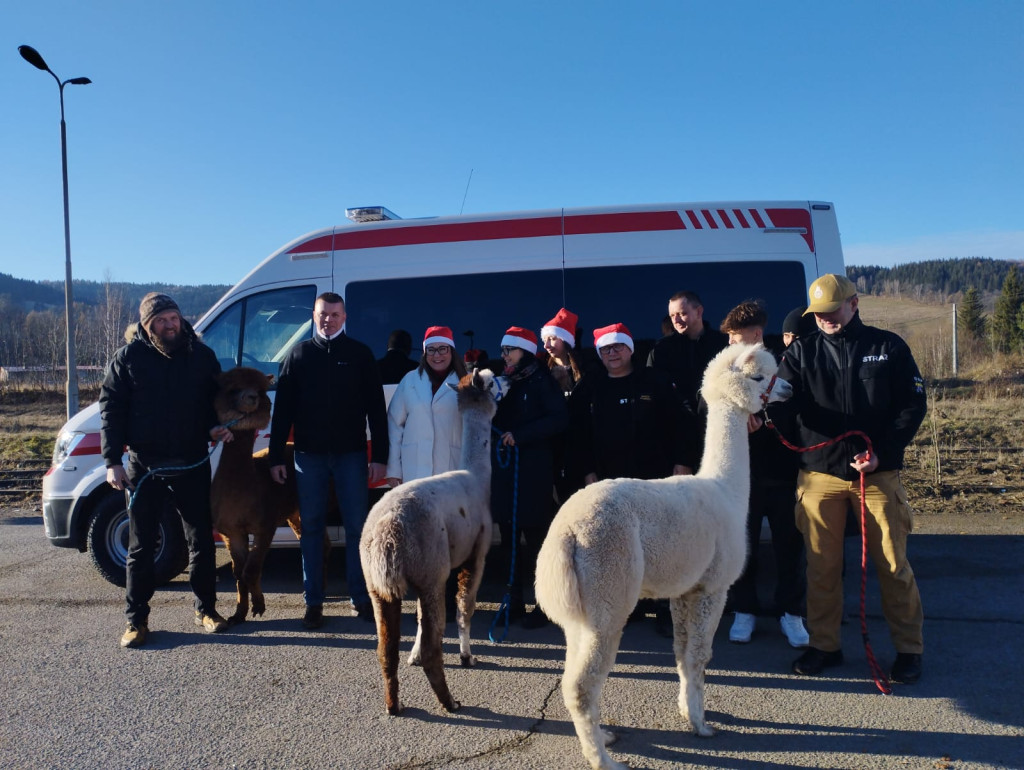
(746, 356)
(478, 381)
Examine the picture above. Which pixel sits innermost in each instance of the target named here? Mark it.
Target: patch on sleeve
(919, 385)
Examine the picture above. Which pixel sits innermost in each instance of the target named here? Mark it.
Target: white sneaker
(794, 631)
(742, 628)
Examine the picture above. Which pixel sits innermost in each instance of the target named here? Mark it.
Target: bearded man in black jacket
(329, 388)
(850, 376)
(157, 399)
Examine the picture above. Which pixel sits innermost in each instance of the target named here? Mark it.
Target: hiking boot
(907, 668)
(742, 628)
(793, 629)
(814, 661)
(364, 611)
(535, 618)
(314, 617)
(134, 636)
(211, 621)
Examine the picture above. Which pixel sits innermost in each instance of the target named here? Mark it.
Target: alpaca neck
(727, 450)
(476, 444)
(240, 449)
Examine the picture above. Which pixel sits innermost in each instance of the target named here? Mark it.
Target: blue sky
(214, 132)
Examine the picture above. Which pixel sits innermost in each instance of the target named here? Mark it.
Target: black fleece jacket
(862, 378)
(327, 391)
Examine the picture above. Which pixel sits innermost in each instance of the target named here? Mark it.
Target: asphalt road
(269, 695)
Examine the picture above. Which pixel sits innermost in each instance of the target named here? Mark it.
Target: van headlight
(67, 440)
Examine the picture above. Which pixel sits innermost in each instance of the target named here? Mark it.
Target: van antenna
(467, 192)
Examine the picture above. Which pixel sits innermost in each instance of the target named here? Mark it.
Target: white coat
(424, 429)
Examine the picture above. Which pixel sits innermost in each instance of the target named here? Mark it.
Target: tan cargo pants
(822, 503)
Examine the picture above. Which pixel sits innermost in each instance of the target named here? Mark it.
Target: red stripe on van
(725, 219)
(694, 220)
(711, 220)
(323, 243)
(740, 218)
(89, 445)
(588, 224)
(757, 218)
(449, 233)
(793, 218)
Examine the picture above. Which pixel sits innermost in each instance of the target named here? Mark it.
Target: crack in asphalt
(500, 748)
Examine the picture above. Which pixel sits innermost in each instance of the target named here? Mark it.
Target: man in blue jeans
(328, 389)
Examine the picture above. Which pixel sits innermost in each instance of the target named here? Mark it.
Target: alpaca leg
(253, 573)
(432, 626)
(590, 655)
(389, 634)
(695, 618)
(469, 583)
(415, 657)
(238, 548)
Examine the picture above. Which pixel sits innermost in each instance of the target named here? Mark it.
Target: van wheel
(108, 543)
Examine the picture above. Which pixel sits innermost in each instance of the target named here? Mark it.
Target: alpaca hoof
(704, 731)
(609, 737)
(452, 707)
(258, 608)
(235, 619)
(394, 710)
(414, 659)
(468, 661)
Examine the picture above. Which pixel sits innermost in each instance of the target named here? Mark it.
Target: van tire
(107, 543)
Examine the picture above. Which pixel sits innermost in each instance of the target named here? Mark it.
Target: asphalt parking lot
(269, 695)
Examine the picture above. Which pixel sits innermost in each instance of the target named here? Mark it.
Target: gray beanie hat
(153, 304)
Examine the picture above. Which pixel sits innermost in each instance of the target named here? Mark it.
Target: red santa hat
(438, 335)
(609, 335)
(562, 326)
(518, 337)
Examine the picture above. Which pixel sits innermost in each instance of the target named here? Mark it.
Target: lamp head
(79, 81)
(32, 56)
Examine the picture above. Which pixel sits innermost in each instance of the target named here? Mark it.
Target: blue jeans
(313, 473)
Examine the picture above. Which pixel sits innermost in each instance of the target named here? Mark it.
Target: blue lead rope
(177, 468)
(504, 456)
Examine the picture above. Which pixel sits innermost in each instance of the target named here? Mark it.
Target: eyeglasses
(616, 347)
(506, 350)
(438, 350)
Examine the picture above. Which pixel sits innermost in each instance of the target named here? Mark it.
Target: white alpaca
(682, 538)
(420, 531)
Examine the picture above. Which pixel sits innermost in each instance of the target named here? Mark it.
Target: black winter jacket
(160, 407)
(536, 414)
(862, 378)
(327, 391)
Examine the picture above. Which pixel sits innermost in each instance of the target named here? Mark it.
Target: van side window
(260, 329)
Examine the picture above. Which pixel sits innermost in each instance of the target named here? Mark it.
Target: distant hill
(45, 295)
(936, 278)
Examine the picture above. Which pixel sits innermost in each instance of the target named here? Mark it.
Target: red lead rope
(881, 680)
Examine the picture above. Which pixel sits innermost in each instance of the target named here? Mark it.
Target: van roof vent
(370, 214)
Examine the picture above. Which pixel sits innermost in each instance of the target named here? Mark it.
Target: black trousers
(188, 493)
(775, 502)
(528, 541)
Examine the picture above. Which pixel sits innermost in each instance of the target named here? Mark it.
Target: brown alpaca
(244, 499)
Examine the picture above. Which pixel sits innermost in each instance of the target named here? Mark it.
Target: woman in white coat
(424, 425)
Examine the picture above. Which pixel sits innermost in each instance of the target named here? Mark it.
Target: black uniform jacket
(862, 378)
(160, 406)
(328, 391)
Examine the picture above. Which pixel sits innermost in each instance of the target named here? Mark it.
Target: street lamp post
(32, 56)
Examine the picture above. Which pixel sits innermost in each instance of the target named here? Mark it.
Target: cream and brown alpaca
(419, 532)
(682, 538)
(244, 499)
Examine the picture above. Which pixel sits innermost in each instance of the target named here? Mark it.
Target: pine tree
(971, 316)
(1007, 335)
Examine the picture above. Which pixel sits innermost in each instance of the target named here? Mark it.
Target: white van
(477, 274)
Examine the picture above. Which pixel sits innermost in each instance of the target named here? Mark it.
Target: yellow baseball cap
(828, 293)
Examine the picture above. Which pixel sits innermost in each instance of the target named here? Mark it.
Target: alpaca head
(241, 401)
(743, 376)
(481, 390)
